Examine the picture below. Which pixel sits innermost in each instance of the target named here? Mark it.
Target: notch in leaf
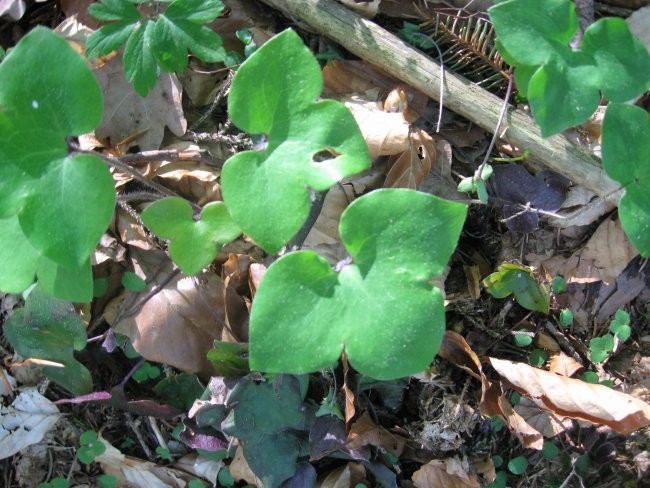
(273, 93)
(383, 309)
(193, 244)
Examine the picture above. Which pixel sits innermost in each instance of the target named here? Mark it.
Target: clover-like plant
(564, 87)
(54, 206)
(273, 93)
(193, 243)
(380, 307)
(156, 43)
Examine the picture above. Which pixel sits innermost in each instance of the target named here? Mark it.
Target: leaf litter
(454, 402)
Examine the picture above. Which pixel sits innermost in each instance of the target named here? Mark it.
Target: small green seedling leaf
(515, 398)
(225, 478)
(50, 329)
(515, 278)
(550, 450)
(626, 145)
(329, 406)
(600, 347)
(558, 284)
(91, 447)
(133, 282)
(55, 483)
(497, 424)
(146, 372)
(523, 338)
(382, 304)
(193, 243)
(500, 480)
(179, 391)
(537, 358)
(590, 377)
(477, 183)
(53, 207)
(566, 317)
(196, 484)
(268, 192)
(518, 465)
(620, 326)
(107, 481)
(163, 453)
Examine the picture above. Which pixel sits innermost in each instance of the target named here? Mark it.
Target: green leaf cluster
(601, 347)
(512, 278)
(564, 87)
(51, 329)
(90, 448)
(54, 206)
(155, 44)
(476, 183)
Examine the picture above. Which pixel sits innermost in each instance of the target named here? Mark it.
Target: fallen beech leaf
(548, 424)
(126, 113)
(409, 169)
(562, 364)
(576, 399)
(448, 473)
(364, 432)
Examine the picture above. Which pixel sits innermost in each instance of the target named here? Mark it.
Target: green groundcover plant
(564, 86)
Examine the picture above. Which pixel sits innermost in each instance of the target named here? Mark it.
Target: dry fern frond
(467, 47)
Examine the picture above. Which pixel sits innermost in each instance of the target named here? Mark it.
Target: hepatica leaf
(625, 150)
(54, 206)
(382, 309)
(50, 329)
(273, 93)
(516, 279)
(193, 243)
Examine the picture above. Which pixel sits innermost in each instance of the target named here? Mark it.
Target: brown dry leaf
(544, 340)
(409, 169)
(256, 273)
(448, 473)
(365, 432)
(568, 397)
(544, 422)
(347, 392)
(564, 365)
(350, 474)
(485, 468)
(178, 325)
(240, 470)
(385, 133)
(127, 113)
(235, 272)
(604, 257)
(135, 473)
(454, 348)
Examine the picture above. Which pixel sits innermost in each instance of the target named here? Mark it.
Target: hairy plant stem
(317, 200)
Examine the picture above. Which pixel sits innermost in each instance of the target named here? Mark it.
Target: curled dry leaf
(365, 432)
(409, 169)
(350, 474)
(576, 399)
(448, 473)
(548, 424)
(562, 364)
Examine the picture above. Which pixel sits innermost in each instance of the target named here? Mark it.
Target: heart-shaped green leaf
(193, 243)
(273, 93)
(625, 149)
(62, 204)
(51, 329)
(382, 309)
(624, 65)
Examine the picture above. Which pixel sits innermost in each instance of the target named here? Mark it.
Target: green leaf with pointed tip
(140, 67)
(625, 149)
(179, 30)
(54, 208)
(530, 30)
(108, 10)
(108, 38)
(193, 243)
(273, 93)
(516, 279)
(50, 329)
(382, 309)
(623, 61)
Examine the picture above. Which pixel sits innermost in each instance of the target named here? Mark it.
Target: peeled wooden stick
(378, 46)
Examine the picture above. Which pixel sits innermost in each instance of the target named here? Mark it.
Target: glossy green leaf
(524, 339)
(140, 67)
(564, 91)
(517, 279)
(531, 30)
(54, 207)
(50, 329)
(382, 305)
(193, 243)
(625, 149)
(273, 93)
(550, 450)
(623, 61)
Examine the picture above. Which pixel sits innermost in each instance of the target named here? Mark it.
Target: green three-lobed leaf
(155, 44)
(53, 206)
(274, 93)
(193, 243)
(563, 85)
(381, 309)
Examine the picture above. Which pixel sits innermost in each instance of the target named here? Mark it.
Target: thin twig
(222, 91)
